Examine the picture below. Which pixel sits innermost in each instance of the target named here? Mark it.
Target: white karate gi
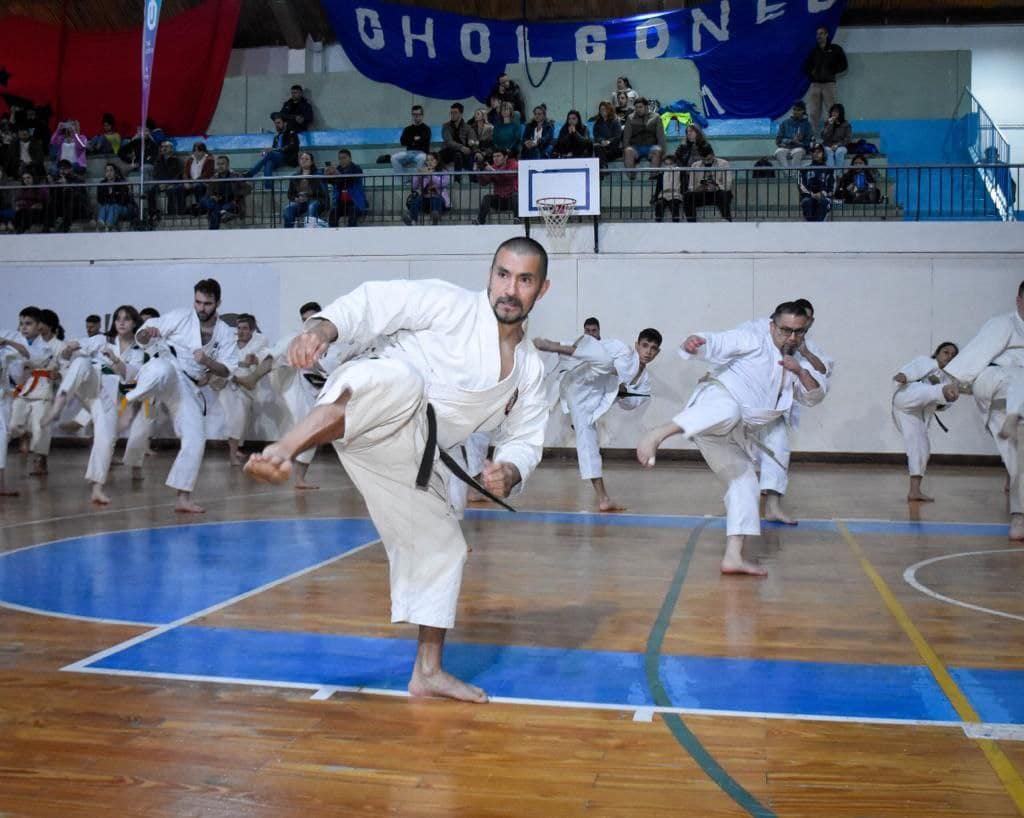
(169, 378)
(10, 365)
(439, 345)
(589, 386)
(747, 389)
(992, 365)
(35, 393)
(913, 406)
(235, 400)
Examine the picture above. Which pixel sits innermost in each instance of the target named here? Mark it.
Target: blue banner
(149, 25)
(750, 53)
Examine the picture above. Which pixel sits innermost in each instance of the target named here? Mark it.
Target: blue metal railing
(989, 149)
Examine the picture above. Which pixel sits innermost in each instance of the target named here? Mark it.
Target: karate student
(94, 370)
(447, 362)
(755, 380)
(595, 374)
(297, 388)
(34, 392)
(992, 367)
(13, 353)
(774, 467)
(187, 345)
(138, 420)
(235, 398)
(924, 388)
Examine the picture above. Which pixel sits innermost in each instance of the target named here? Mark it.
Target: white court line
(323, 694)
(553, 703)
(144, 637)
(910, 577)
(997, 732)
(75, 617)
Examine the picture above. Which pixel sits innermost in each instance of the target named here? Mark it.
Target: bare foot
(610, 506)
(269, 466)
(236, 461)
(1016, 527)
(442, 684)
(186, 506)
(40, 469)
(98, 497)
(136, 472)
(648, 448)
(744, 568)
(302, 485)
(919, 497)
(777, 515)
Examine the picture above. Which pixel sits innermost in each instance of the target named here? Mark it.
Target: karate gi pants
(588, 449)
(5, 419)
(162, 382)
(83, 380)
(26, 416)
(299, 397)
(913, 407)
(385, 436)
(139, 432)
(775, 472)
(237, 403)
(714, 421)
(998, 390)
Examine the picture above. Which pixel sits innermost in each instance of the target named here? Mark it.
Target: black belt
(316, 380)
(942, 425)
(427, 464)
(634, 394)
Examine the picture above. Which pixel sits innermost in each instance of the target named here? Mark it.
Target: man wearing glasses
(755, 381)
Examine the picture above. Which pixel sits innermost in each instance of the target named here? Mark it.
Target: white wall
(884, 293)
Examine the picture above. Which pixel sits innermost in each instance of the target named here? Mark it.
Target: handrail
(981, 108)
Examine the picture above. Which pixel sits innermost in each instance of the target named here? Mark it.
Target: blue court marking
(580, 676)
(938, 529)
(160, 575)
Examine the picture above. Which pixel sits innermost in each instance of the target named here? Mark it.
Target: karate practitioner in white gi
(594, 374)
(774, 471)
(35, 390)
(924, 388)
(13, 354)
(991, 366)
(187, 345)
(449, 362)
(755, 380)
(236, 399)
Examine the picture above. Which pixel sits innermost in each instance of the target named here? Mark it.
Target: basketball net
(556, 210)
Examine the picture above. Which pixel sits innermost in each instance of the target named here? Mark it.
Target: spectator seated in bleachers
(308, 195)
(415, 140)
(793, 137)
(26, 155)
(481, 135)
(108, 141)
(623, 86)
(711, 186)
(283, 150)
(607, 134)
(507, 90)
(859, 185)
(573, 138)
(296, 110)
(817, 187)
(68, 203)
(114, 199)
(836, 135)
(67, 142)
(505, 197)
(225, 194)
(167, 168)
(31, 205)
(199, 167)
(139, 150)
(6, 202)
(538, 136)
(508, 132)
(456, 152)
(643, 136)
(668, 192)
(688, 150)
(348, 199)
(623, 106)
(429, 193)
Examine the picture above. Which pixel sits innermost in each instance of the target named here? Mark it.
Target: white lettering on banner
(364, 16)
(427, 37)
(650, 52)
(523, 45)
(818, 6)
(466, 42)
(590, 43)
(706, 93)
(767, 12)
(719, 32)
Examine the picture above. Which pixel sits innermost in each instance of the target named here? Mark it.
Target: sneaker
(406, 219)
(226, 216)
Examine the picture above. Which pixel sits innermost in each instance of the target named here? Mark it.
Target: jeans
(815, 210)
(432, 204)
(216, 209)
(270, 162)
(112, 213)
(295, 209)
(404, 160)
(836, 158)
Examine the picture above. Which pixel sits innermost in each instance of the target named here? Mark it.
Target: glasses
(789, 331)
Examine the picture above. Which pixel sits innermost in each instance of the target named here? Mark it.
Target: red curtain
(101, 71)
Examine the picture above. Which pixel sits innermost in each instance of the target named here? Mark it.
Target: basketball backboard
(579, 179)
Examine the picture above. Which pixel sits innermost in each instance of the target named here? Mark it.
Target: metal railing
(988, 147)
(904, 192)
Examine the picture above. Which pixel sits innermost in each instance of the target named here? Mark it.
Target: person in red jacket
(506, 185)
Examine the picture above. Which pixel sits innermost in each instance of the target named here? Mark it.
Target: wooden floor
(98, 744)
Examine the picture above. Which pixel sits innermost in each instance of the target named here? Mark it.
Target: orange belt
(24, 390)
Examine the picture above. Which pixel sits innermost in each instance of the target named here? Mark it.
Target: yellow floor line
(1000, 763)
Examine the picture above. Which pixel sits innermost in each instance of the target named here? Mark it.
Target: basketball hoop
(556, 210)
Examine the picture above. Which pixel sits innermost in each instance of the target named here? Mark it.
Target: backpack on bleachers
(861, 146)
(764, 168)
